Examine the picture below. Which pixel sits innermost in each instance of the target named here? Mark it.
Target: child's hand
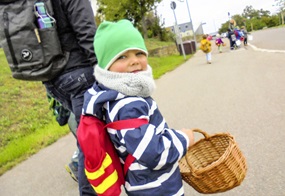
(190, 135)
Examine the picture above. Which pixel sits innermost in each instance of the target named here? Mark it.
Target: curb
(265, 50)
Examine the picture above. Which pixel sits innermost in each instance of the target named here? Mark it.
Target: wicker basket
(213, 164)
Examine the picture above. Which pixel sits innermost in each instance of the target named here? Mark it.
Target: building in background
(200, 30)
(184, 28)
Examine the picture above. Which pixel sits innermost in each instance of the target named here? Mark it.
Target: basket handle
(206, 135)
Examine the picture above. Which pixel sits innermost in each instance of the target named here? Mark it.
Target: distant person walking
(205, 46)
(244, 31)
(209, 37)
(232, 24)
(232, 38)
(219, 42)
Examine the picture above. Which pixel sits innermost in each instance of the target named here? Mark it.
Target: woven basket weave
(213, 164)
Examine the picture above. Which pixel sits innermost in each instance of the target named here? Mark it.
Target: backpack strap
(7, 1)
(124, 124)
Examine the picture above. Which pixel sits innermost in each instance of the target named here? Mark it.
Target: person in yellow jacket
(205, 46)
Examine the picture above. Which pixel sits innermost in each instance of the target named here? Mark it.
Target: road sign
(173, 5)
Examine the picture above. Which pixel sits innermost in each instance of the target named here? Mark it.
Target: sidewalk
(227, 95)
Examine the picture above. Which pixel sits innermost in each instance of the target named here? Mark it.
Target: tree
(249, 12)
(258, 21)
(155, 29)
(271, 21)
(264, 13)
(255, 19)
(281, 7)
(152, 24)
(134, 10)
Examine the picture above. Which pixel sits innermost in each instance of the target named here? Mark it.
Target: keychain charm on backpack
(44, 19)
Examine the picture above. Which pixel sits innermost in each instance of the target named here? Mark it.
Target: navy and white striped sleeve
(153, 145)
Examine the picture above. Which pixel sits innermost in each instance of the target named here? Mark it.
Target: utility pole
(191, 22)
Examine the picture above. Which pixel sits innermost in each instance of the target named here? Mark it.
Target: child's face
(131, 61)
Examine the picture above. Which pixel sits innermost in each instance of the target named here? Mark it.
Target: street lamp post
(191, 23)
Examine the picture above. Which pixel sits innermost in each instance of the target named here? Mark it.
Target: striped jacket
(156, 147)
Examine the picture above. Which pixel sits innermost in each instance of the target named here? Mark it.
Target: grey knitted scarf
(132, 84)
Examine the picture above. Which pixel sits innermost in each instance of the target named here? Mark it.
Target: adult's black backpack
(29, 39)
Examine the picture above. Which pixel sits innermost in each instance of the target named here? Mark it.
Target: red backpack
(102, 165)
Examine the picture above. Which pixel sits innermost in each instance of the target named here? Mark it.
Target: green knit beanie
(114, 38)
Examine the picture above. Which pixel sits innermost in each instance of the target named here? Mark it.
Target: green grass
(163, 65)
(20, 148)
(26, 123)
(153, 43)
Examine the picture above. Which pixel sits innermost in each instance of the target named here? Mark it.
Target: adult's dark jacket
(229, 35)
(76, 29)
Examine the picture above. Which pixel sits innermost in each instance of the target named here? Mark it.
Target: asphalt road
(241, 92)
(271, 39)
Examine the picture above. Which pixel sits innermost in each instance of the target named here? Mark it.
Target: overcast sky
(211, 12)
(93, 4)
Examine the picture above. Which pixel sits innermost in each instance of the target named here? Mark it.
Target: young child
(125, 84)
(205, 46)
(219, 42)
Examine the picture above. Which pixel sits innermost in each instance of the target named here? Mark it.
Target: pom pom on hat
(114, 38)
